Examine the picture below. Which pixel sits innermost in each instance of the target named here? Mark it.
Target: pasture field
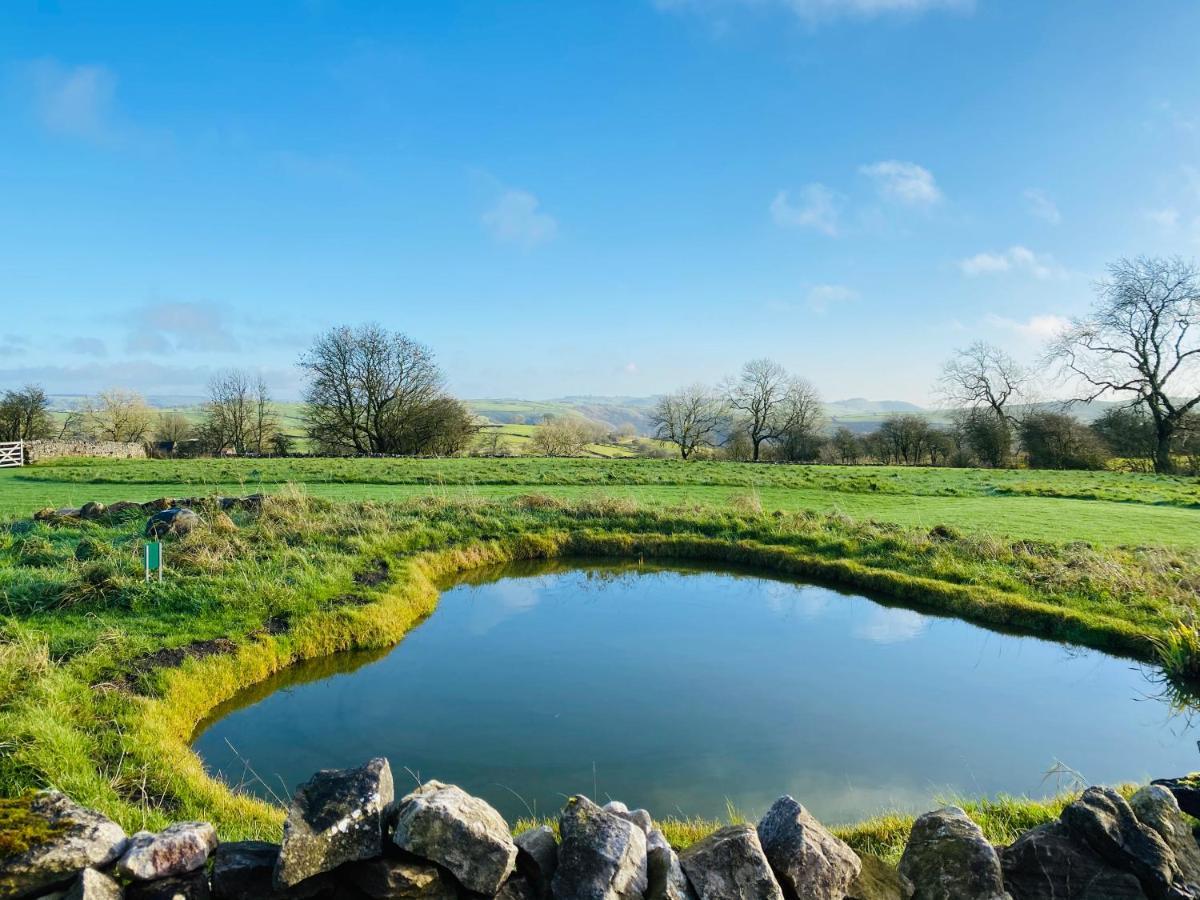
(1105, 508)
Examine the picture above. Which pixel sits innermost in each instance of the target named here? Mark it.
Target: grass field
(1105, 508)
(103, 677)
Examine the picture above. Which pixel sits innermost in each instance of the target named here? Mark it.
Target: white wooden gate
(12, 454)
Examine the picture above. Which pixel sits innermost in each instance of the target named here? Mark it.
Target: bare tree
(239, 414)
(983, 382)
(801, 420)
(172, 427)
(118, 415)
(363, 384)
(767, 401)
(564, 436)
(690, 418)
(1141, 340)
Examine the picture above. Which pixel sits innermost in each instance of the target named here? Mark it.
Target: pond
(686, 690)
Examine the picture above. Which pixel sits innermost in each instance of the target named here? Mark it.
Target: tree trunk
(756, 444)
(1163, 463)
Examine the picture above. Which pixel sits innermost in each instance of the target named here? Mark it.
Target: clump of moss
(21, 829)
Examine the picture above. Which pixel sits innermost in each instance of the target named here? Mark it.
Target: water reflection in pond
(684, 689)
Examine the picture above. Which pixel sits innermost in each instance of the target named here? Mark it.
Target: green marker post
(154, 559)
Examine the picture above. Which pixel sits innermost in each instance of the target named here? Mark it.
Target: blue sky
(611, 197)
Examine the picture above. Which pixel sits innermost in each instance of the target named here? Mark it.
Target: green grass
(103, 677)
(1104, 508)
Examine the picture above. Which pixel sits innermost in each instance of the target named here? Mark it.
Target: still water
(683, 690)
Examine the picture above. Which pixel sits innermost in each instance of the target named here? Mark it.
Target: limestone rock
(639, 817)
(83, 839)
(1049, 863)
(91, 510)
(245, 870)
(446, 825)
(1156, 807)
(730, 864)
(948, 858)
(663, 871)
(517, 888)
(1103, 820)
(401, 877)
(537, 858)
(1186, 791)
(174, 521)
(808, 860)
(602, 856)
(93, 885)
(336, 816)
(193, 886)
(181, 848)
(878, 880)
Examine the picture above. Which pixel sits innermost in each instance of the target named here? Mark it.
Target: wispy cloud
(87, 346)
(904, 182)
(517, 218)
(822, 296)
(1014, 259)
(75, 101)
(1167, 218)
(174, 326)
(1040, 206)
(813, 11)
(13, 344)
(817, 208)
(1038, 328)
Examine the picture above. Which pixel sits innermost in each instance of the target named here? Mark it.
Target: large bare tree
(367, 386)
(1141, 340)
(768, 402)
(690, 418)
(25, 415)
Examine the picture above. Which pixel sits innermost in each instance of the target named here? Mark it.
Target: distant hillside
(862, 405)
(611, 412)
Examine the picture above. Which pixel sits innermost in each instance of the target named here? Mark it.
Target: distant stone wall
(36, 451)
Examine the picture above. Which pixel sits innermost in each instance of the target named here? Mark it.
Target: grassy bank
(1104, 508)
(103, 677)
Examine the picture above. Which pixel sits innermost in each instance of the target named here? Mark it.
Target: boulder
(64, 840)
(245, 870)
(537, 858)
(180, 848)
(1104, 821)
(1049, 863)
(91, 510)
(878, 880)
(193, 886)
(93, 885)
(174, 521)
(948, 858)
(446, 825)
(730, 864)
(808, 860)
(1156, 807)
(516, 888)
(404, 876)
(121, 509)
(1186, 791)
(336, 816)
(602, 856)
(663, 871)
(639, 817)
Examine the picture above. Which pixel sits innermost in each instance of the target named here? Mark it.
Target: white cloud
(1040, 328)
(1014, 259)
(1167, 219)
(517, 219)
(822, 296)
(172, 326)
(87, 346)
(904, 182)
(819, 10)
(631, 368)
(1041, 206)
(73, 100)
(817, 208)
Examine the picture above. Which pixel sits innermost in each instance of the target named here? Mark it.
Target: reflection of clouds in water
(504, 600)
(891, 626)
(793, 601)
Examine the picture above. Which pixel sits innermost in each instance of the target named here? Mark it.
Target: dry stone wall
(348, 837)
(38, 451)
